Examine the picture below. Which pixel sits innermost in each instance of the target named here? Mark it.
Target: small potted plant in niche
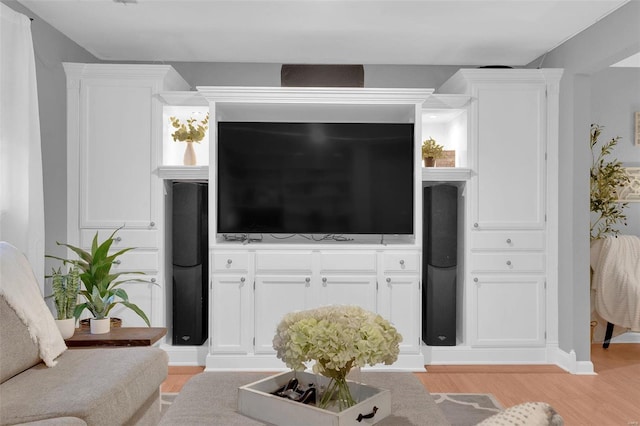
(65, 295)
(102, 291)
(431, 151)
(192, 131)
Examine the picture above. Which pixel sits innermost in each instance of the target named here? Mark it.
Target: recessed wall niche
(173, 152)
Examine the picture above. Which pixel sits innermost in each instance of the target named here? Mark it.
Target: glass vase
(342, 392)
(337, 395)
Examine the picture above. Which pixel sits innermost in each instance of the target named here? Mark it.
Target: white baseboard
(567, 361)
(467, 355)
(186, 355)
(463, 355)
(628, 337)
(252, 362)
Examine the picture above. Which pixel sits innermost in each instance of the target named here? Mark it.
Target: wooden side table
(118, 336)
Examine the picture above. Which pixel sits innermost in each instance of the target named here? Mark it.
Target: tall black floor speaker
(439, 263)
(190, 266)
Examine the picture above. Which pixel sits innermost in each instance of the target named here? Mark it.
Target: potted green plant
(607, 176)
(192, 131)
(102, 291)
(65, 295)
(431, 151)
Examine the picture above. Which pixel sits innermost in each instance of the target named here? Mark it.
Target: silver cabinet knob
(242, 279)
(324, 281)
(475, 225)
(229, 261)
(508, 240)
(307, 280)
(153, 280)
(118, 239)
(152, 224)
(475, 280)
(508, 263)
(401, 261)
(117, 262)
(389, 280)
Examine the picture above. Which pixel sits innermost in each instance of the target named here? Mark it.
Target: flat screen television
(315, 178)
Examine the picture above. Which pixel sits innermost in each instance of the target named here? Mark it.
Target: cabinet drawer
(347, 262)
(137, 260)
(230, 261)
(401, 262)
(507, 240)
(284, 262)
(509, 262)
(124, 238)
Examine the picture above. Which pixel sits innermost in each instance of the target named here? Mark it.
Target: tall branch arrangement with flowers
(607, 176)
(337, 338)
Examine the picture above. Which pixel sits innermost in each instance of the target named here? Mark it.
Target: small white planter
(67, 327)
(100, 326)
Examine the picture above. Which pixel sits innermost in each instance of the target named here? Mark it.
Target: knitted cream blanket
(616, 281)
(20, 289)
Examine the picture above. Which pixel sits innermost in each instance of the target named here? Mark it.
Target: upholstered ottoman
(211, 399)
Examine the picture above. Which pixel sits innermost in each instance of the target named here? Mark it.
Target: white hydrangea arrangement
(337, 338)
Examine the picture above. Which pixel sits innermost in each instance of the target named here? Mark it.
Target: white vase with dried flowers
(190, 132)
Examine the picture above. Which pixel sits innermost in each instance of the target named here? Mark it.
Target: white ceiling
(452, 32)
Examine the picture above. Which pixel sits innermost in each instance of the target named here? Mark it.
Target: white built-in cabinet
(503, 125)
(511, 210)
(263, 280)
(253, 289)
(113, 126)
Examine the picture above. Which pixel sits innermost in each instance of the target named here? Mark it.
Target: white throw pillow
(526, 414)
(20, 289)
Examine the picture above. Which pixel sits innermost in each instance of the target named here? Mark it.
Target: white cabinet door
(142, 295)
(232, 314)
(508, 310)
(276, 296)
(348, 290)
(115, 153)
(508, 188)
(399, 302)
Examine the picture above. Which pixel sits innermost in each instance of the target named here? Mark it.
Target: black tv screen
(315, 178)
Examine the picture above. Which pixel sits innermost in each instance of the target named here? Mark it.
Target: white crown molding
(315, 95)
(459, 82)
(446, 101)
(185, 98)
(122, 71)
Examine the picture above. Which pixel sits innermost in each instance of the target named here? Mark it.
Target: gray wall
(51, 49)
(606, 42)
(615, 97)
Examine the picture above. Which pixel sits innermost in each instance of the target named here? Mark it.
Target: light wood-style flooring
(610, 398)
